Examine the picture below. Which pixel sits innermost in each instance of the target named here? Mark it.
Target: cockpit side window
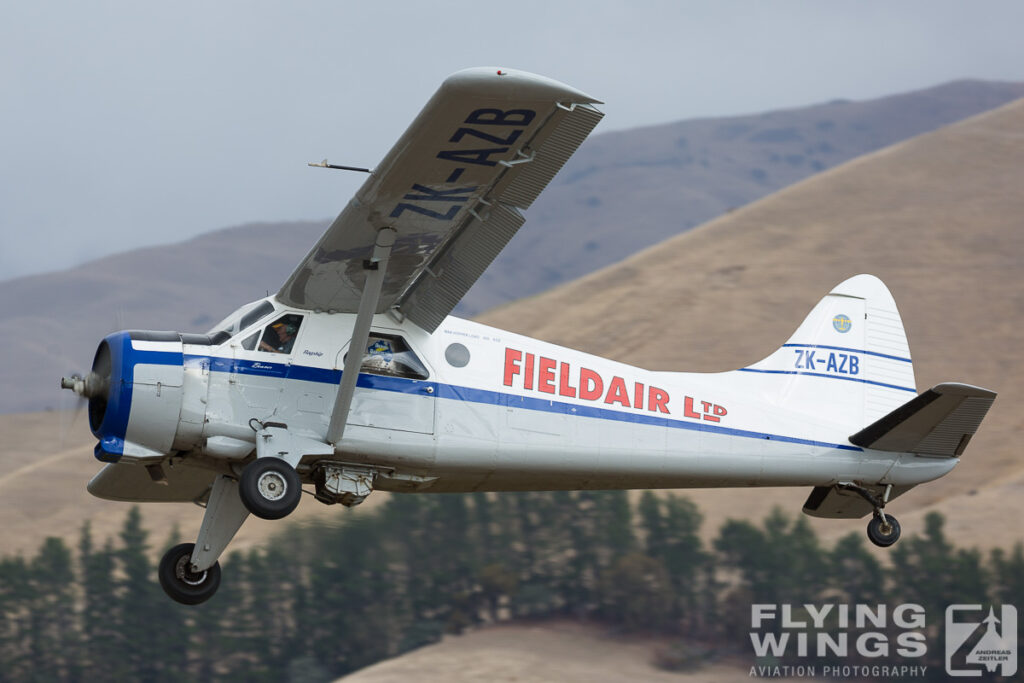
(279, 336)
(388, 354)
(250, 342)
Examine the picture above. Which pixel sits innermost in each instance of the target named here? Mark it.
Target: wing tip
(513, 83)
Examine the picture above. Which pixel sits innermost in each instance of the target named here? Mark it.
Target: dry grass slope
(565, 652)
(938, 218)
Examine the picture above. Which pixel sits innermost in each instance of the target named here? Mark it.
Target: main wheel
(181, 583)
(883, 534)
(270, 488)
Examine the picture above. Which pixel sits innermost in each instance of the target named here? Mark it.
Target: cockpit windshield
(238, 321)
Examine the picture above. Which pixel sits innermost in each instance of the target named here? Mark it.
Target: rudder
(848, 362)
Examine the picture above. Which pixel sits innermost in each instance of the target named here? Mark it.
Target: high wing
(485, 145)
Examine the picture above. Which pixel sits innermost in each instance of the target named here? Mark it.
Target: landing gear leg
(190, 574)
(883, 529)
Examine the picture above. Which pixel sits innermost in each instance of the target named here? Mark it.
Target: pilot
(279, 338)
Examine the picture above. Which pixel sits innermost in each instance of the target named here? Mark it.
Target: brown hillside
(553, 651)
(939, 218)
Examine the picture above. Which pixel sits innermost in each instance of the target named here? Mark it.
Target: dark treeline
(324, 600)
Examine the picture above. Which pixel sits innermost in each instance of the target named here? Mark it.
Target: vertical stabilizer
(848, 362)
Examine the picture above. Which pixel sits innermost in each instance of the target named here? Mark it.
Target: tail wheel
(883, 533)
(270, 488)
(183, 584)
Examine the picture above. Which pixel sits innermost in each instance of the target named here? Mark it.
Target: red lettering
(657, 400)
(717, 410)
(638, 396)
(564, 388)
(688, 410)
(512, 358)
(617, 392)
(546, 375)
(528, 372)
(591, 385)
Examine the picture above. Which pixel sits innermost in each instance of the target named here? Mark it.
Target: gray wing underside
(483, 148)
(124, 482)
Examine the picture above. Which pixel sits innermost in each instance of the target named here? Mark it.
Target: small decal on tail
(842, 323)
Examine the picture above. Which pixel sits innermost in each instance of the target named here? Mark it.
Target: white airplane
(239, 419)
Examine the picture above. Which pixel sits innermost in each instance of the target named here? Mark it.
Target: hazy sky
(125, 124)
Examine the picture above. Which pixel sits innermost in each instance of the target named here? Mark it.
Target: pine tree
(138, 617)
(684, 557)
(855, 572)
(103, 634)
(16, 605)
(1008, 576)
(54, 627)
(652, 523)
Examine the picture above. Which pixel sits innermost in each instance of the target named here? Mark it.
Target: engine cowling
(136, 400)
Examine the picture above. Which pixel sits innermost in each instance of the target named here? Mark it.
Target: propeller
(90, 389)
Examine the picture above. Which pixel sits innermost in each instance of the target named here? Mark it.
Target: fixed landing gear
(883, 529)
(270, 488)
(181, 582)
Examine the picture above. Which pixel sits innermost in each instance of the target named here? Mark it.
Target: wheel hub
(183, 570)
(272, 486)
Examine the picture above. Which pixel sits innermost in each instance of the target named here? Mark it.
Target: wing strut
(375, 268)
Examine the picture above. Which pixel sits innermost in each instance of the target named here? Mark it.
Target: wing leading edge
(485, 145)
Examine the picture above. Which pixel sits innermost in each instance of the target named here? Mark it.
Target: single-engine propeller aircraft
(272, 398)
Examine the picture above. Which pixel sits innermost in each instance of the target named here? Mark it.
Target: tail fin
(848, 362)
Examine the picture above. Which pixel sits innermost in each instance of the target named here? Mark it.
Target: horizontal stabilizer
(940, 421)
(839, 503)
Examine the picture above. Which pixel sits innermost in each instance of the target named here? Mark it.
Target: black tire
(270, 488)
(883, 535)
(182, 584)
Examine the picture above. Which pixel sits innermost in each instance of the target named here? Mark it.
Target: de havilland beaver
(271, 399)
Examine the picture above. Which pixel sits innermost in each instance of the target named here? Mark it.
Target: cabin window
(256, 314)
(250, 342)
(279, 336)
(388, 354)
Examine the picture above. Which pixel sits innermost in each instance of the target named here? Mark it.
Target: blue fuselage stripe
(843, 348)
(470, 395)
(821, 374)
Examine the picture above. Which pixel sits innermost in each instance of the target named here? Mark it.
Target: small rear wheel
(270, 488)
(883, 533)
(181, 583)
